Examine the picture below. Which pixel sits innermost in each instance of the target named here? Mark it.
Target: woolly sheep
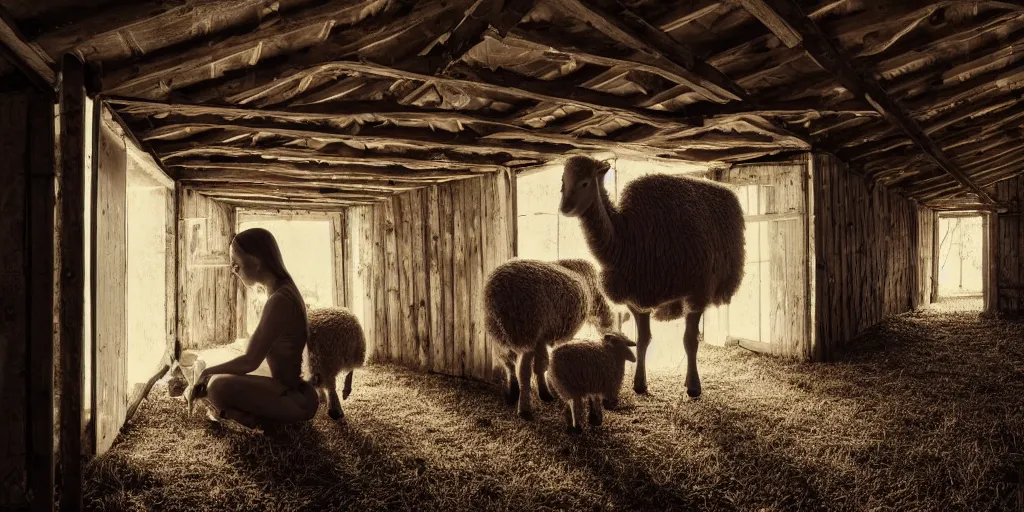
(674, 245)
(592, 370)
(530, 304)
(336, 344)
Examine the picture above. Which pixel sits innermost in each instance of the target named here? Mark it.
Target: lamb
(530, 304)
(674, 245)
(584, 369)
(336, 344)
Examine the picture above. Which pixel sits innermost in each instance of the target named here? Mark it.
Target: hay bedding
(897, 426)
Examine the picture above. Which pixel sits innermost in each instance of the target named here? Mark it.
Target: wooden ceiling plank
(828, 57)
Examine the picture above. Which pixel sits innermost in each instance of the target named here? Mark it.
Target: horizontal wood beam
(306, 173)
(277, 204)
(339, 154)
(35, 65)
(828, 57)
(328, 30)
(771, 19)
(448, 121)
(180, 135)
(485, 13)
(288, 192)
(654, 47)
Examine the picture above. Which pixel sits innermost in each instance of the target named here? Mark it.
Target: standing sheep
(591, 370)
(530, 304)
(336, 344)
(674, 246)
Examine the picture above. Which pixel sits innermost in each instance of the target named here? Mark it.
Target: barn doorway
(961, 279)
(308, 245)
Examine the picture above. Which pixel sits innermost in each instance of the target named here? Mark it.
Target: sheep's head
(619, 345)
(581, 179)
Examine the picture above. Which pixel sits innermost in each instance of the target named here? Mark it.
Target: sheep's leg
(596, 414)
(523, 370)
(575, 426)
(540, 365)
(643, 339)
(347, 390)
(611, 398)
(334, 407)
(690, 342)
(511, 382)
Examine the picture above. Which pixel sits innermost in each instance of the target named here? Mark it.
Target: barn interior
(400, 151)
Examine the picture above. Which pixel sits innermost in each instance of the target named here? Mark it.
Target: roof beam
(37, 66)
(485, 13)
(655, 47)
(821, 49)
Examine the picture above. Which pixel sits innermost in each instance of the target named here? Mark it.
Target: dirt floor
(926, 414)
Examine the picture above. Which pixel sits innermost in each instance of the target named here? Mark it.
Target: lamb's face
(580, 182)
(619, 344)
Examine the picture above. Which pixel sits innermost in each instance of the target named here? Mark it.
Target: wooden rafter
(822, 50)
(500, 14)
(37, 66)
(655, 47)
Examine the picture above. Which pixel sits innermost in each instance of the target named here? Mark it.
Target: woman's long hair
(261, 244)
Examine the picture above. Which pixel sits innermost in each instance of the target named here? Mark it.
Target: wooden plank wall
(867, 249)
(420, 266)
(109, 262)
(1008, 247)
(14, 112)
(206, 293)
(27, 321)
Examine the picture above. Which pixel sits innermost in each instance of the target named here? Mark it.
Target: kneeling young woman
(280, 338)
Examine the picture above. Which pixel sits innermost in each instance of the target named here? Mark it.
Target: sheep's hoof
(693, 392)
(336, 414)
(610, 405)
(573, 431)
(546, 396)
(595, 420)
(640, 389)
(345, 393)
(526, 414)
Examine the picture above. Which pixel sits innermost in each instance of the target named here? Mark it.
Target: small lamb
(592, 370)
(336, 344)
(532, 304)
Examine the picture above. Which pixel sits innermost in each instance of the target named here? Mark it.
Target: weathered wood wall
(868, 247)
(109, 271)
(27, 449)
(14, 113)
(1008, 247)
(206, 287)
(419, 265)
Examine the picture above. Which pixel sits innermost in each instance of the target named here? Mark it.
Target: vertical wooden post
(72, 282)
(936, 245)
(41, 304)
(810, 288)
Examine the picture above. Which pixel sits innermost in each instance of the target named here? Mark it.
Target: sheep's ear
(603, 167)
(630, 343)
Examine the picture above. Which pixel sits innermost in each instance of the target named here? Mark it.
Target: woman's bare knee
(221, 390)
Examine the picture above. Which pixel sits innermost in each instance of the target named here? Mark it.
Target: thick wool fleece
(585, 368)
(671, 238)
(529, 302)
(336, 343)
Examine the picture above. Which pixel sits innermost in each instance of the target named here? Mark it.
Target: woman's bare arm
(273, 321)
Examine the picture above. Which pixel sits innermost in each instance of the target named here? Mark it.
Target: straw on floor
(925, 414)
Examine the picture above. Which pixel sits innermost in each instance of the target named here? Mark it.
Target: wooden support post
(41, 197)
(72, 279)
